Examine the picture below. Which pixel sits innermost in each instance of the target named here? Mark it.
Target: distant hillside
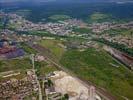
(83, 11)
(94, 0)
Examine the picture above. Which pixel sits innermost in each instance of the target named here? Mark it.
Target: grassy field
(59, 17)
(99, 17)
(101, 69)
(44, 68)
(19, 76)
(28, 49)
(15, 64)
(40, 33)
(55, 47)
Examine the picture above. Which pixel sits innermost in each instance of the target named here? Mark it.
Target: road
(40, 91)
(37, 80)
(104, 94)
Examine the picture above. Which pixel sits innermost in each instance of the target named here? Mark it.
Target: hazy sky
(23, 0)
(59, 0)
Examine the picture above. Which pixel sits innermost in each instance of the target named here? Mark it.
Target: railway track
(101, 92)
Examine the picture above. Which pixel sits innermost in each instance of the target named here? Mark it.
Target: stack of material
(65, 83)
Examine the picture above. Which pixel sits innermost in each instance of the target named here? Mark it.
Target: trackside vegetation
(101, 69)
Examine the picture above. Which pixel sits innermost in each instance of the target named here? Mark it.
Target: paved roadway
(40, 91)
(34, 70)
(104, 94)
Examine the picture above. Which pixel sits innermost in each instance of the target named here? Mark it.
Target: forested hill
(80, 10)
